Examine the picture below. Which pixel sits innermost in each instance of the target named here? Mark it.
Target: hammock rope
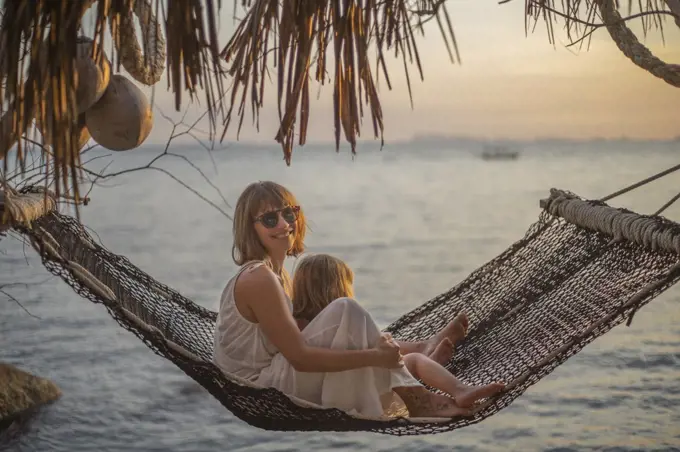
(582, 268)
(632, 48)
(668, 203)
(641, 183)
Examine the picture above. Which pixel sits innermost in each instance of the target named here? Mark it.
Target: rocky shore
(22, 392)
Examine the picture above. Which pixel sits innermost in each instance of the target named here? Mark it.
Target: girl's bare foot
(466, 396)
(422, 403)
(443, 352)
(454, 331)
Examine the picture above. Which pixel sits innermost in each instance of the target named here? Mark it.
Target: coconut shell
(93, 78)
(122, 119)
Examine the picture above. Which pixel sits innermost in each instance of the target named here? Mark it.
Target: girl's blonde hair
(318, 280)
(256, 197)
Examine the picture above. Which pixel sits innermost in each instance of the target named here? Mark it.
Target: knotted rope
(648, 231)
(628, 43)
(22, 209)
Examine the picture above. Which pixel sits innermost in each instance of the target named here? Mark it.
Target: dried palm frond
(344, 42)
(37, 67)
(302, 34)
(308, 39)
(581, 18)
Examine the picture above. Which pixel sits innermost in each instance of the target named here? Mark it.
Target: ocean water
(412, 221)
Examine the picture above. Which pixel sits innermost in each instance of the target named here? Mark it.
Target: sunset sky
(509, 85)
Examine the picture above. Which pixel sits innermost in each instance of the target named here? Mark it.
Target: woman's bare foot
(442, 352)
(466, 396)
(454, 331)
(422, 403)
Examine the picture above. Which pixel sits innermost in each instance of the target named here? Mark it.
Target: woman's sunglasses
(270, 219)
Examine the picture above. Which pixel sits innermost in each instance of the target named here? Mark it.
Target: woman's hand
(388, 353)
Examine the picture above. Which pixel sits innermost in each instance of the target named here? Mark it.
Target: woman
(341, 360)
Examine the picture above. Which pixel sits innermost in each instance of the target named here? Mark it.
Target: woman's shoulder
(255, 274)
(258, 286)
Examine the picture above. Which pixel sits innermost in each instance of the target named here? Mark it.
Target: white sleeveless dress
(242, 349)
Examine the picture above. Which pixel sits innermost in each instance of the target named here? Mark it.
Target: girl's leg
(454, 331)
(443, 352)
(433, 374)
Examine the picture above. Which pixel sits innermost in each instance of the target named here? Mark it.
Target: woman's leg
(345, 324)
(433, 374)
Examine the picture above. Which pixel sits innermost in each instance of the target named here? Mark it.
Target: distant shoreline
(419, 141)
(429, 141)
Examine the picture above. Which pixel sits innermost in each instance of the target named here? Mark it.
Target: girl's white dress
(242, 349)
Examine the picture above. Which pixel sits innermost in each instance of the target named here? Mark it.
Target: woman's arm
(261, 292)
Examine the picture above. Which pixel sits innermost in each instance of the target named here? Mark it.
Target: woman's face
(276, 228)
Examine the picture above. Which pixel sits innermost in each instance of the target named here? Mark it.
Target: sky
(509, 85)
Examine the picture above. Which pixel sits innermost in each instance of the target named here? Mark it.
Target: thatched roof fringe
(38, 55)
(304, 33)
(40, 37)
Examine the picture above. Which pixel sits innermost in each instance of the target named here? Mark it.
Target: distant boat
(498, 152)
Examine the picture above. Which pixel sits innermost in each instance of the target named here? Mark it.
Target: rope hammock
(581, 269)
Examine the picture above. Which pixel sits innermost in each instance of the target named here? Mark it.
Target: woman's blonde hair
(256, 197)
(318, 280)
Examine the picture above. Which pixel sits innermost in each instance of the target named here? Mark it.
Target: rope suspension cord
(667, 205)
(644, 182)
(640, 183)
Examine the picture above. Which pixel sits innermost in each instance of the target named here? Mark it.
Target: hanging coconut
(94, 74)
(122, 119)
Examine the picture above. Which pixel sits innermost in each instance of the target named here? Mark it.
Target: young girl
(320, 278)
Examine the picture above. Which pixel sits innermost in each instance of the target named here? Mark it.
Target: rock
(21, 391)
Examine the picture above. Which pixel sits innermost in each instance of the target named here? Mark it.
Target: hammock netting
(581, 269)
